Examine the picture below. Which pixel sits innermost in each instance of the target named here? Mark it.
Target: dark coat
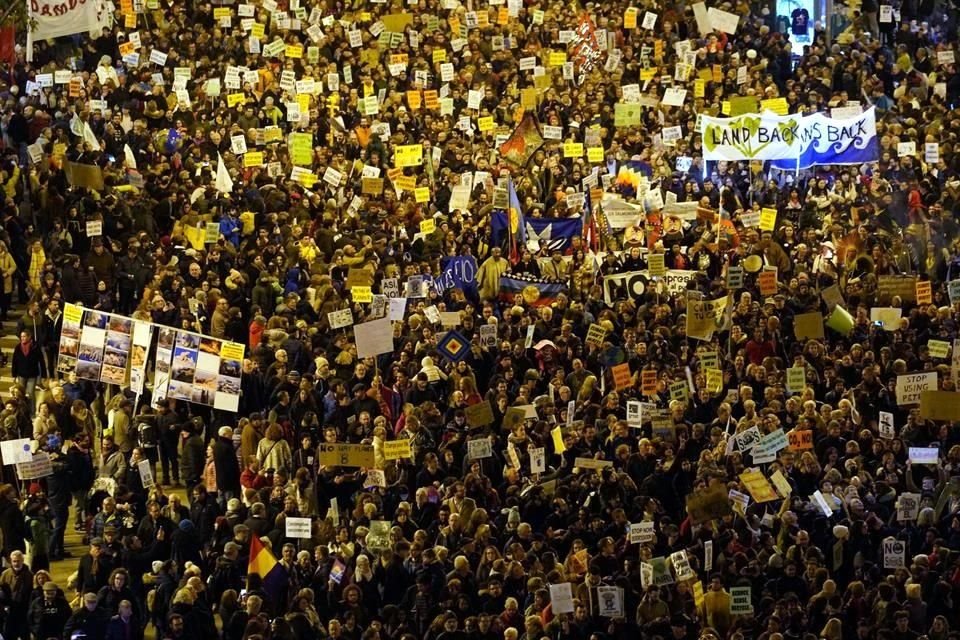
(28, 364)
(225, 462)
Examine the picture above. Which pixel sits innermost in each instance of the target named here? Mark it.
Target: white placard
(906, 148)
(894, 554)
(910, 386)
(924, 455)
(887, 429)
(340, 318)
(146, 473)
(723, 20)
(537, 460)
(561, 598)
(16, 451)
(374, 337)
(298, 527)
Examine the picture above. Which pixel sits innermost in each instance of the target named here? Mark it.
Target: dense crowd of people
(530, 500)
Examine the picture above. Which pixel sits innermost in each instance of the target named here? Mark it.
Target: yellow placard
(194, 237)
(503, 16)
(572, 149)
(408, 155)
(233, 99)
(648, 74)
(630, 18)
(231, 350)
(414, 99)
(362, 294)
(439, 55)
(396, 449)
(778, 105)
(307, 179)
(347, 455)
(421, 195)
(768, 219)
(221, 12)
(428, 226)
(257, 30)
(253, 159)
(557, 434)
(485, 124)
(127, 48)
(72, 313)
(557, 58)
(595, 154)
(399, 58)
(405, 183)
(714, 380)
(130, 21)
(699, 88)
(294, 51)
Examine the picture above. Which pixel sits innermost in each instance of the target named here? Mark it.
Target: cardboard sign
(911, 386)
(756, 483)
(480, 414)
(940, 405)
(709, 504)
(596, 334)
(641, 532)
(903, 286)
(622, 378)
(39, 466)
(347, 455)
(768, 283)
(297, 527)
(780, 482)
(924, 292)
(648, 382)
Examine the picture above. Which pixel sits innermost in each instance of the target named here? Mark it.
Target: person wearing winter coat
(89, 620)
(13, 525)
(227, 467)
(125, 625)
(28, 366)
(48, 613)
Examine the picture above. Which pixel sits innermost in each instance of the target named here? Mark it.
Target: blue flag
(556, 232)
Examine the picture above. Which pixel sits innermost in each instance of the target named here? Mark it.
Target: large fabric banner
(793, 141)
(55, 18)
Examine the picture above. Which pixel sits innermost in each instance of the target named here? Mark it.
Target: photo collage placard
(105, 347)
(100, 346)
(197, 368)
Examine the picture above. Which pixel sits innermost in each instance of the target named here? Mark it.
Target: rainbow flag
(264, 564)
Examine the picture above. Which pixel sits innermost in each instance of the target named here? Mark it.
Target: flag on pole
(515, 224)
(263, 563)
(224, 183)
